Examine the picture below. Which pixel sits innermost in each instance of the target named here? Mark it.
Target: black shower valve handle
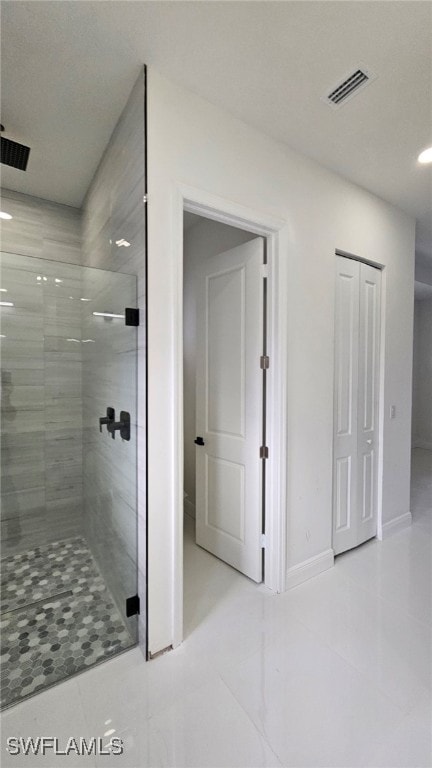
(108, 419)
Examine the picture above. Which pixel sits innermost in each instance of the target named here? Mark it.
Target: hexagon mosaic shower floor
(57, 618)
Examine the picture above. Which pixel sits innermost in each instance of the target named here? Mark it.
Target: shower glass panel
(68, 470)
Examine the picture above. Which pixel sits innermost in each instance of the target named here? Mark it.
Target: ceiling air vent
(350, 85)
(14, 154)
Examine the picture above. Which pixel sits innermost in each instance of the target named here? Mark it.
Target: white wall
(190, 141)
(206, 238)
(422, 375)
(423, 272)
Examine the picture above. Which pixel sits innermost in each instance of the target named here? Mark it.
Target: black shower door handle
(199, 441)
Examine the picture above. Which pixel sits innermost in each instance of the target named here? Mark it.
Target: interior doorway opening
(274, 234)
(224, 407)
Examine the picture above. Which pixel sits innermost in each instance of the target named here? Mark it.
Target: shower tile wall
(114, 210)
(40, 228)
(41, 474)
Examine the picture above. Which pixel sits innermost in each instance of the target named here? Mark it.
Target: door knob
(199, 441)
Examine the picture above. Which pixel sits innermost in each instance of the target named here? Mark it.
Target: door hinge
(265, 270)
(264, 362)
(132, 606)
(145, 198)
(132, 316)
(263, 541)
(264, 453)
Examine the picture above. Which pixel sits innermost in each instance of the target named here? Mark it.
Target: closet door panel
(345, 404)
(368, 400)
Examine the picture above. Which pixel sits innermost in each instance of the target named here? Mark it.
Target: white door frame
(275, 231)
(381, 366)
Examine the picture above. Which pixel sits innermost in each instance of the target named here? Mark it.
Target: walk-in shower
(68, 470)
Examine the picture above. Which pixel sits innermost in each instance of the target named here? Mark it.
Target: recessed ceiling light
(3, 290)
(4, 215)
(425, 156)
(6, 304)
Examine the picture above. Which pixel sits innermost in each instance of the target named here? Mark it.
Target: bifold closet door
(357, 320)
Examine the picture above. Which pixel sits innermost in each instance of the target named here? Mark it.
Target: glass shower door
(109, 386)
(68, 470)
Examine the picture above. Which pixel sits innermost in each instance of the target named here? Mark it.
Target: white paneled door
(356, 406)
(229, 402)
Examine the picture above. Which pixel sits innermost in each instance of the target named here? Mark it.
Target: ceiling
(68, 67)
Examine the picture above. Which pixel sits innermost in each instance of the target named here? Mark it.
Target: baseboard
(397, 524)
(309, 568)
(424, 444)
(189, 508)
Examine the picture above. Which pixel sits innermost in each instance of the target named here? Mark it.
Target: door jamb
(275, 230)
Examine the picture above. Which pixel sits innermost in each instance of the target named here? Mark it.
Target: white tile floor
(336, 672)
